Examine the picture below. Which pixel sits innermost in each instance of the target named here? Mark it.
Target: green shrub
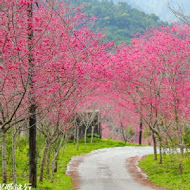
(94, 135)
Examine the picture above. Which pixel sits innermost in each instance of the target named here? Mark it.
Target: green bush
(94, 135)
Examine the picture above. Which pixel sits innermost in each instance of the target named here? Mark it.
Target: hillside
(159, 8)
(120, 20)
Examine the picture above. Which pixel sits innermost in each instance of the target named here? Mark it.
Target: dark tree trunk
(77, 138)
(140, 132)
(160, 150)
(123, 133)
(180, 169)
(32, 147)
(75, 134)
(154, 145)
(32, 106)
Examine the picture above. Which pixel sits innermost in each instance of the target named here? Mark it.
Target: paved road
(105, 169)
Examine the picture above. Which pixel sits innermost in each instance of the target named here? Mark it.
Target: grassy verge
(166, 174)
(61, 180)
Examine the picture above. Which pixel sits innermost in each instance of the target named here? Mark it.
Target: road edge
(138, 174)
(72, 170)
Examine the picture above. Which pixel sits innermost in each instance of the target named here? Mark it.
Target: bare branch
(179, 13)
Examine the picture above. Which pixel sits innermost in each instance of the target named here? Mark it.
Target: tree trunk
(14, 158)
(55, 166)
(123, 134)
(77, 138)
(160, 151)
(181, 151)
(154, 145)
(180, 169)
(43, 161)
(92, 134)
(181, 159)
(32, 106)
(54, 162)
(140, 132)
(65, 143)
(48, 160)
(85, 131)
(75, 135)
(4, 158)
(32, 147)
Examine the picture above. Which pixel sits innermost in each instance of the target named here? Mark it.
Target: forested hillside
(120, 20)
(160, 8)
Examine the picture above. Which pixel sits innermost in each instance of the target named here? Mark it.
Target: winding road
(106, 169)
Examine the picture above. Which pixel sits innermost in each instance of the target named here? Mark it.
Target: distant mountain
(119, 20)
(159, 7)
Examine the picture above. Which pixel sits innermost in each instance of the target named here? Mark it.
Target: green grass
(61, 180)
(166, 174)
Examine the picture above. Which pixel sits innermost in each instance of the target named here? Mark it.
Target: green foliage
(120, 20)
(61, 180)
(147, 132)
(129, 131)
(187, 138)
(94, 135)
(167, 174)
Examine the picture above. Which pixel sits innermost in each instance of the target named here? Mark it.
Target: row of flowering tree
(149, 81)
(155, 75)
(48, 56)
(52, 65)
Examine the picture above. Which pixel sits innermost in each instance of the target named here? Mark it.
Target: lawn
(166, 174)
(61, 180)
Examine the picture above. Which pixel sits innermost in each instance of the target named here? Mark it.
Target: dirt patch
(138, 174)
(73, 172)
